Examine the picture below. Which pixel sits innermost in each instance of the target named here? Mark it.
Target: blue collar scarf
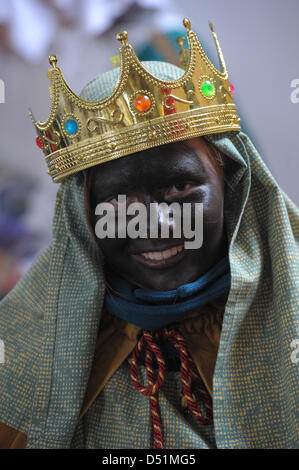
(155, 309)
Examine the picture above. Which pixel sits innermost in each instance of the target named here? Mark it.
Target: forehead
(153, 167)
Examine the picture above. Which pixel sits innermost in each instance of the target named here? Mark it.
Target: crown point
(187, 23)
(53, 60)
(31, 115)
(211, 26)
(122, 37)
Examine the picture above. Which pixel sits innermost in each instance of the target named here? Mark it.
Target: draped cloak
(49, 321)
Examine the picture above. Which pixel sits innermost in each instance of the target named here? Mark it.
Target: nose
(161, 218)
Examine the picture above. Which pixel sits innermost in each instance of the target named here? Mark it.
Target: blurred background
(260, 42)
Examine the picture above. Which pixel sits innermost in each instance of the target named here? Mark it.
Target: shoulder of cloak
(21, 333)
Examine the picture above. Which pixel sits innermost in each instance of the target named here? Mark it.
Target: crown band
(97, 150)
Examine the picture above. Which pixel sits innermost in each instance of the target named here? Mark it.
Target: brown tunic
(117, 339)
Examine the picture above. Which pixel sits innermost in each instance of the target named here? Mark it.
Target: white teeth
(159, 255)
(167, 254)
(173, 251)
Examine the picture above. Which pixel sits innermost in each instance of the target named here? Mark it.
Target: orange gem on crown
(143, 103)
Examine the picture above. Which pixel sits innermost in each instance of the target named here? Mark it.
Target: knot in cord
(189, 375)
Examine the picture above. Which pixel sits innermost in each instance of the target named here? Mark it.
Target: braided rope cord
(153, 387)
(189, 375)
(190, 378)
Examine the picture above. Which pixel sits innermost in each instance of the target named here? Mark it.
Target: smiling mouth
(161, 258)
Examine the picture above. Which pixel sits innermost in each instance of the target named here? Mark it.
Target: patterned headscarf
(49, 321)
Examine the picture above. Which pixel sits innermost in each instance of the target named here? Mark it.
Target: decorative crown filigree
(142, 112)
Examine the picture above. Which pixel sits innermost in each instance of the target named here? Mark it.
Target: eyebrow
(102, 191)
(178, 175)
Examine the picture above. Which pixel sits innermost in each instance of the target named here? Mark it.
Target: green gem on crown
(208, 88)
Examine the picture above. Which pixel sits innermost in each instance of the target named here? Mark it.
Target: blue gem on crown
(71, 126)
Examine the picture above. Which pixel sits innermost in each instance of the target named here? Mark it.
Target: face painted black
(180, 172)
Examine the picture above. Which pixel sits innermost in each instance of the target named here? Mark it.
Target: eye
(179, 189)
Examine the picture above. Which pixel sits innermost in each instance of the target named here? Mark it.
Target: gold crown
(142, 112)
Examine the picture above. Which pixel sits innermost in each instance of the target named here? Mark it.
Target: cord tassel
(189, 375)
